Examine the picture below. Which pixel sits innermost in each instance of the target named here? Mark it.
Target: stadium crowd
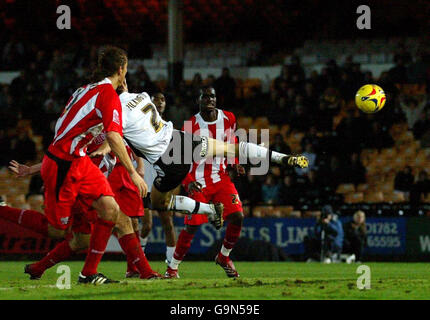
(319, 106)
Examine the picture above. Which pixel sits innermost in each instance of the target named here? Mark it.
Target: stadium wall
(388, 238)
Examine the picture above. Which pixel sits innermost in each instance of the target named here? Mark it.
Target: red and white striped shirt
(91, 109)
(210, 171)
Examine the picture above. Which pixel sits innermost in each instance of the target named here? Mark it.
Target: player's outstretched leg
(31, 220)
(246, 150)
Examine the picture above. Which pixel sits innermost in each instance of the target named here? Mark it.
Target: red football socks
(232, 234)
(131, 246)
(61, 252)
(183, 245)
(98, 242)
(28, 219)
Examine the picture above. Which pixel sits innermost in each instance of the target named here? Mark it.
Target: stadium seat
(362, 187)
(295, 214)
(286, 211)
(353, 197)
(374, 197)
(345, 188)
(394, 197)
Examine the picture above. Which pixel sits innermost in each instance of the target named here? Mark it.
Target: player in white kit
(166, 217)
(172, 153)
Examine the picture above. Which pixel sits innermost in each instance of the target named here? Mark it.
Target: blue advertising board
(386, 236)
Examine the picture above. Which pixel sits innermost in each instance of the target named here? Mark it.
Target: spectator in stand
(300, 119)
(270, 190)
(420, 189)
(310, 97)
(279, 145)
(225, 87)
(296, 68)
(311, 155)
(356, 172)
(284, 76)
(249, 189)
(355, 235)
(196, 85)
(143, 82)
(422, 126)
(412, 109)
(398, 73)
(289, 194)
(404, 181)
(23, 148)
(178, 112)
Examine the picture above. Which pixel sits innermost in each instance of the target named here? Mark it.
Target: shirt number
(157, 125)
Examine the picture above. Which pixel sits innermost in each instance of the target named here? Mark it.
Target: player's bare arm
(21, 170)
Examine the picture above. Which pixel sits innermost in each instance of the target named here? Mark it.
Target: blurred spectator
(279, 145)
(225, 87)
(422, 126)
(404, 180)
(355, 235)
(284, 76)
(420, 189)
(378, 138)
(289, 193)
(398, 73)
(270, 190)
(311, 155)
(196, 85)
(296, 70)
(178, 112)
(325, 242)
(23, 148)
(412, 109)
(143, 82)
(356, 172)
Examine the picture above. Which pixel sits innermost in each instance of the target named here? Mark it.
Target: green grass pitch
(205, 280)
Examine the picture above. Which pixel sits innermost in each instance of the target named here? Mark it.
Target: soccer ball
(370, 98)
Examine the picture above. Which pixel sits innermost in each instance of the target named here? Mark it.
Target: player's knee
(55, 233)
(146, 229)
(108, 209)
(123, 225)
(236, 218)
(79, 242)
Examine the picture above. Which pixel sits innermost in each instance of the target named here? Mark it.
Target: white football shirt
(143, 126)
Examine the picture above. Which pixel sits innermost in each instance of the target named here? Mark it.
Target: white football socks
(181, 203)
(169, 253)
(174, 264)
(225, 252)
(253, 151)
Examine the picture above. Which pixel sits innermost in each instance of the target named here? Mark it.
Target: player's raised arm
(21, 170)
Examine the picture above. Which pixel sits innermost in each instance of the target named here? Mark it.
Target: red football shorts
(65, 181)
(127, 195)
(224, 192)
